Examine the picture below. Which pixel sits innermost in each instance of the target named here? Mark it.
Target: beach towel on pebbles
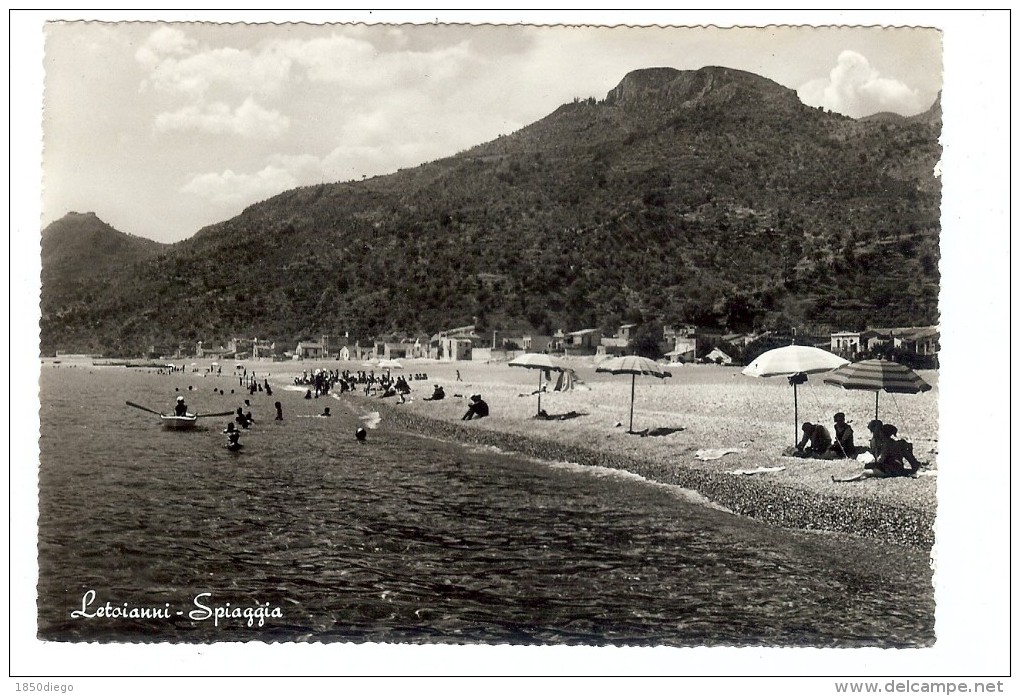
(708, 454)
(759, 470)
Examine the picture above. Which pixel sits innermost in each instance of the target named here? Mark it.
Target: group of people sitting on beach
(886, 453)
(477, 407)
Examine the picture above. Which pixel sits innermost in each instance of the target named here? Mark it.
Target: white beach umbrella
(536, 361)
(792, 362)
(633, 365)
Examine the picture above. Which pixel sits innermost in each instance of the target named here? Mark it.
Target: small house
(583, 342)
(308, 350)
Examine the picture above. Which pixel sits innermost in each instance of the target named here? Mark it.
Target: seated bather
(843, 445)
(815, 443)
(890, 454)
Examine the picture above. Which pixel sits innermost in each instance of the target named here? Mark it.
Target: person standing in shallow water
(279, 410)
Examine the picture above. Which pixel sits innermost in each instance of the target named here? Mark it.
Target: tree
(647, 341)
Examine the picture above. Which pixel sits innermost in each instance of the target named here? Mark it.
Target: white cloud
(162, 44)
(855, 88)
(247, 120)
(231, 188)
(355, 63)
(199, 72)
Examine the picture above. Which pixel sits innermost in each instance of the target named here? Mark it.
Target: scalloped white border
(973, 524)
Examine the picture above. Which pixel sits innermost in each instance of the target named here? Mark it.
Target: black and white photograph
(442, 346)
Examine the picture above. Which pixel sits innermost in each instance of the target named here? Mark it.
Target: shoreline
(702, 407)
(754, 497)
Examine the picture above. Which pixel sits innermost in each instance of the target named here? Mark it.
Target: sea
(307, 534)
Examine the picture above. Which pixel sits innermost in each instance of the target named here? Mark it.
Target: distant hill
(712, 197)
(79, 248)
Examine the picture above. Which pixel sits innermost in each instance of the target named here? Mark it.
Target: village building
(457, 343)
(922, 341)
(308, 350)
(393, 350)
(612, 345)
(850, 343)
(531, 343)
(583, 342)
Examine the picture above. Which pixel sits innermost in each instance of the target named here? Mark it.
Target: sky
(161, 128)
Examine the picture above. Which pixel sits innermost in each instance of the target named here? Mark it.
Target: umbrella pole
(632, 380)
(795, 419)
(539, 392)
(876, 404)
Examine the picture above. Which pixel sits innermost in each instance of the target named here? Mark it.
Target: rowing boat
(174, 422)
(179, 422)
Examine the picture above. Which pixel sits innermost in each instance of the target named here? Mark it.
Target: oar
(129, 403)
(215, 415)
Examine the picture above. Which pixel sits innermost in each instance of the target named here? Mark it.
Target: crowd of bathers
(322, 382)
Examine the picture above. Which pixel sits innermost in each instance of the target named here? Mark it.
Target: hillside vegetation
(712, 197)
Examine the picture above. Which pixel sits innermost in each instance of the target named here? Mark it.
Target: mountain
(79, 249)
(711, 196)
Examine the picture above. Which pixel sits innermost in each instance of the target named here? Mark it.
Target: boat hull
(179, 422)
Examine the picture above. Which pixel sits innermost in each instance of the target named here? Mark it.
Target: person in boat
(438, 394)
(181, 409)
(477, 409)
(843, 445)
(816, 441)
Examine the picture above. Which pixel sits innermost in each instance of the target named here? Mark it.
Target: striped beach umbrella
(633, 365)
(877, 376)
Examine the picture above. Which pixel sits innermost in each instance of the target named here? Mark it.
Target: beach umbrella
(878, 376)
(536, 361)
(633, 365)
(391, 364)
(795, 362)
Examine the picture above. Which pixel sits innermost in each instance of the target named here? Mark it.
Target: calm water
(410, 539)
